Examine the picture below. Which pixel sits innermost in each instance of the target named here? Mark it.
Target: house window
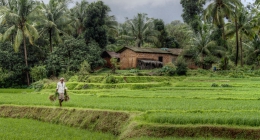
(160, 58)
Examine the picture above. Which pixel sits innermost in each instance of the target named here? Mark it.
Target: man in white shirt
(61, 87)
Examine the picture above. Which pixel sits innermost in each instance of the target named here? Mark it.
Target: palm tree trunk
(237, 42)
(241, 51)
(224, 38)
(50, 40)
(25, 58)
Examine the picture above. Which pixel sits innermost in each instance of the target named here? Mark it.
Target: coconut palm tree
(57, 20)
(204, 46)
(20, 14)
(253, 51)
(242, 23)
(123, 34)
(142, 29)
(78, 14)
(111, 26)
(218, 10)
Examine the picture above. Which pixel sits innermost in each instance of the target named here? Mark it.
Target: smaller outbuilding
(107, 55)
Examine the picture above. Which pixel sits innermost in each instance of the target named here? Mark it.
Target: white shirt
(61, 87)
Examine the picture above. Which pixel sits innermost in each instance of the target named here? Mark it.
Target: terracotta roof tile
(173, 51)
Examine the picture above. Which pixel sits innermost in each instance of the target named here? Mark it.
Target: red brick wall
(128, 58)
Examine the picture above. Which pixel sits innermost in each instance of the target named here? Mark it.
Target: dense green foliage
(192, 10)
(95, 23)
(59, 37)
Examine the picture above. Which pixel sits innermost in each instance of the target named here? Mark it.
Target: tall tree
(95, 23)
(218, 10)
(20, 14)
(162, 36)
(56, 21)
(192, 10)
(142, 29)
(123, 35)
(241, 24)
(204, 46)
(180, 32)
(78, 13)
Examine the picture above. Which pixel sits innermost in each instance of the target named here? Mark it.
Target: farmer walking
(61, 89)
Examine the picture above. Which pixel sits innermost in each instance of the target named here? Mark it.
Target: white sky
(167, 10)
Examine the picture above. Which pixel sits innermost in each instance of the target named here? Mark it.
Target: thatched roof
(173, 51)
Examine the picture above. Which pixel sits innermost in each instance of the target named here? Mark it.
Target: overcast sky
(167, 10)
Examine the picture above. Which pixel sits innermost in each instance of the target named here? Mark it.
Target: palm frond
(31, 32)
(18, 40)
(8, 33)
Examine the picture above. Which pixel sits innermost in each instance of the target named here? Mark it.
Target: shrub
(225, 85)
(236, 74)
(4, 74)
(168, 69)
(182, 66)
(83, 71)
(214, 85)
(39, 85)
(115, 64)
(38, 72)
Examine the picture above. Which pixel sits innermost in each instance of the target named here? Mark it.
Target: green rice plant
(71, 85)
(74, 78)
(81, 86)
(31, 130)
(3, 90)
(239, 118)
(95, 79)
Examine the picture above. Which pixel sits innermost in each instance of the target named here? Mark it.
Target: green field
(35, 130)
(177, 102)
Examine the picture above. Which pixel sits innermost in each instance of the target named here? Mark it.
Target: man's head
(61, 79)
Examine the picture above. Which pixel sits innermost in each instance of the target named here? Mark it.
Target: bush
(182, 66)
(4, 74)
(84, 70)
(39, 85)
(169, 69)
(38, 72)
(214, 85)
(225, 85)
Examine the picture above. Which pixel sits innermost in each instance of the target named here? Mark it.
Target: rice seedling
(35, 130)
